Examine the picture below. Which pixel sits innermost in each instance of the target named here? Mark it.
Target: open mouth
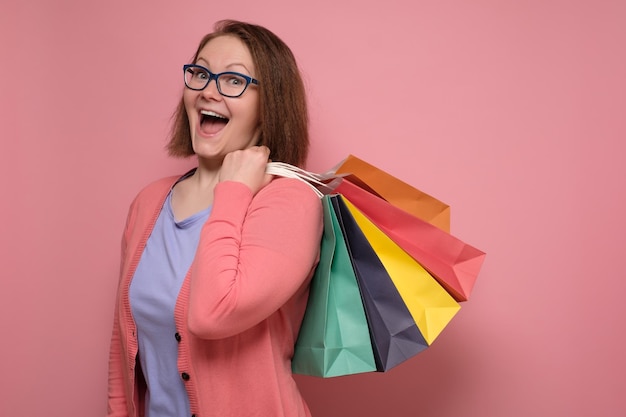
(212, 122)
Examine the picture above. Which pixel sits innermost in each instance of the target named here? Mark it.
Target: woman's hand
(248, 167)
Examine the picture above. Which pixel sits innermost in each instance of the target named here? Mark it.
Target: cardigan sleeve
(254, 254)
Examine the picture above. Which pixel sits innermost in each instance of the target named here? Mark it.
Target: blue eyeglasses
(229, 84)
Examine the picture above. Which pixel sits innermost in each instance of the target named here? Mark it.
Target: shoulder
(151, 196)
(147, 202)
(289, 202)
(156, 189)
(287, 207)
(290, 189)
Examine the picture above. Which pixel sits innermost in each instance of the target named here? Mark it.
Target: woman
(216, 264)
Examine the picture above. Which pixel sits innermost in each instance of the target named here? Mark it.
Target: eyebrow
(229, 66)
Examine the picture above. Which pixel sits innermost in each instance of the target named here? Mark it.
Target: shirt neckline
(188, 221)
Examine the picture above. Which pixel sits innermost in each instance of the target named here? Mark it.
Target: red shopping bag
(452, 262)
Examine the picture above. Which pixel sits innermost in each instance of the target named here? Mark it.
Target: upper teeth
(211, 113)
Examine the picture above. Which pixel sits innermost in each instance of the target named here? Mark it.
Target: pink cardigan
(240, 307)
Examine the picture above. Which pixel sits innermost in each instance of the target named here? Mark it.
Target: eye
(234, 80)
(200, 74)
(196, 73)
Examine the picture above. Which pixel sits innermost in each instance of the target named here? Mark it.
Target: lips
(212, 122)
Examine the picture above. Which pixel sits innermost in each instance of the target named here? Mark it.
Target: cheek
(255, 120)
(246, 117)
(253, 116)
(187, 101)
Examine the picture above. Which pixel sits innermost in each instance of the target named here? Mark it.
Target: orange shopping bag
(395, 191)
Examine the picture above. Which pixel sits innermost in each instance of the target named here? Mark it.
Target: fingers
(262, 148)
(248, 167)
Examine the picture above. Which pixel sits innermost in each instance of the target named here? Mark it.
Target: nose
(211, 91)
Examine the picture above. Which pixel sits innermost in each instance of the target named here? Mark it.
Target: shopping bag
(452, 262)
(334, 338)
(430, 305)
(395, 191)
(394, 333)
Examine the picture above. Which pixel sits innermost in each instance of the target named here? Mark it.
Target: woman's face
(218, 124)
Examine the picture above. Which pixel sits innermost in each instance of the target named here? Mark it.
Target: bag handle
(321, 184)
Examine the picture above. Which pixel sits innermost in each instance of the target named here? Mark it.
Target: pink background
(510, 111)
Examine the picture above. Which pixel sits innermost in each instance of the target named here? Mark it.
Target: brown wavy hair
(282, 99)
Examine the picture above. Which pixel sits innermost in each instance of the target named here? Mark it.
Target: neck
(207, 173)
(204, 179)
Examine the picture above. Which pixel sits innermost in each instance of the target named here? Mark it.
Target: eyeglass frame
(213, 76)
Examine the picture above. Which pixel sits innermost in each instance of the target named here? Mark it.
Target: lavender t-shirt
(154, 289)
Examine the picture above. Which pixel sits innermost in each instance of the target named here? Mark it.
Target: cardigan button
(185, 376)
(177, 337)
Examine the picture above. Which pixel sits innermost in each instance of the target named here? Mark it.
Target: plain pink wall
(513, 112)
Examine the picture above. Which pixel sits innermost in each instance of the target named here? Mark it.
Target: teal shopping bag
(334, 339)
(395, 335)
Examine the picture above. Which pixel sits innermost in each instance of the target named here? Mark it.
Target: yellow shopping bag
(431, 306)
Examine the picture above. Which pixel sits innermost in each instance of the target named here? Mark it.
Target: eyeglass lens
(228, 84)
